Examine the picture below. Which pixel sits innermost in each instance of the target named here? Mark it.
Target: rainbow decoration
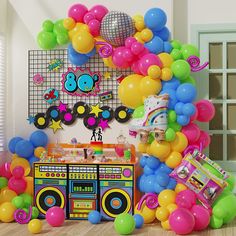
(97, 147)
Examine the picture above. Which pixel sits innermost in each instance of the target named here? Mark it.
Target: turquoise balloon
(189, 50)
(138, 112)
(46, 40)
(181, 69)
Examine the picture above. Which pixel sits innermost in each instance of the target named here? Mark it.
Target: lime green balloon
(176, 54)
(212, 170)
(59, 27)
(35, 213)
(170, 135)
(172, 116)
(124, 224)
(231, 182)
(175, 126)
(28, 199)
(150, 138)
(216, 223)
(18, 202)
(189, 50)
(138, 112)
(176, 44)
(181, 69)
(26, 210)
(62, 38)
(46, 40)
(48, 26)
(3, 182)
(189, 80)
(219, 211)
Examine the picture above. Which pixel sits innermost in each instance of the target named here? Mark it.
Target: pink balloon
(204, 138)
(17, 185)
(194, 117)
(186, 199)
(182, 221)
(148, 60)
(94, 27)
(192, 132)
(99, 11)
(135, 67)
(143, 53)
(206, 110)
(5, 170)
(118, 58)
(129, 41)
(137, 48)
(201, 216)
(18, 172)
(88, 17)
(128, 55)
(55, 216)
(77, 12)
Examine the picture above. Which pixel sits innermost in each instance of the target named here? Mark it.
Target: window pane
(231, 143)
(231, 55)
(217, 122)
(215, 56)
(216, 147)
(215, 86)
(231, 123)
(231, 85)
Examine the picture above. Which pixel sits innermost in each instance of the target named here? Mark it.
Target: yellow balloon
(180, 142)
(79, 27)
(7, 210)
(21, 162)
(172, 207)
(180, 187)
(139, 22)
(149, 86)
(142, 147)
(166, 59)
(30, 185)
(7, 195)
(174, 159)
(165, 225)
(166, 74)
(129, 91)
(83, 42)
(14, 156)
(108, 62)
(147, 213)
(69, 23)
(38, 151)
(138, 37)
(162, 213)
(146, 35)
(35, 226)
(160, 149)
(154, 71)
(166, 197)
(149, 149)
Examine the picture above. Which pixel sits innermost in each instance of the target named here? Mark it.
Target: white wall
(27, 22)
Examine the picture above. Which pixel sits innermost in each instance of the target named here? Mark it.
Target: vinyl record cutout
(81, 109)
(53, 113)
(91, 121)
(107, 113)
(67, 117)
(122, 114)
(41, 121)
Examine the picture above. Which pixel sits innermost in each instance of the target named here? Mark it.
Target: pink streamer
(194, 63)
(106, 50)
(151, 201)
(22, 217)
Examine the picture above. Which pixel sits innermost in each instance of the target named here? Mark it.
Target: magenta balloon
(17, 185)
(135, 67)
(137, 48)
(88, 17)
(5, 170)
(129, 41)
(18, 172)
(148, 60)
(201, 216)
(94, 27)
(77, 12)
(194, 117)
(128, 55)
(182, 221)
(192, 132)
(204, 138)
(186, 199)
(206, 110)
(99, 11)
(118, 58)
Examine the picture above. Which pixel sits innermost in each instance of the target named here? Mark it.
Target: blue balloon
(167, 47)
(76, 58)
(149, 184)
(179, 108)
(12, 144)
(186, 93)
(172, 98)
(155, 45)
(155, 19)
(91, 53)
(33, 159)
(164, 34)
(148, 171)
(163, 167)
(189, 109)
(172, 183)
(162, 178)
(39, 139)
(139, 221)
(153, 162)
(142, 161)
(94, 217)
(158, 188)
(141, 183)
(183, 120)
(24, 149)
(171, 84)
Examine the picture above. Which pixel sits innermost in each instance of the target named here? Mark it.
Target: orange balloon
(38, 151)
(7, 195)
(21, 162)
(29, 187)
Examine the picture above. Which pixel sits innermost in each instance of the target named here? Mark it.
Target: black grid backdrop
(38, 62)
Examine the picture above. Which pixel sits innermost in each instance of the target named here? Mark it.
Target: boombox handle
(87, 145)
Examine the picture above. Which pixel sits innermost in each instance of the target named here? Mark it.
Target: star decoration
(95, 110)
(107, 75)
(55, 125)
(31, 119)
(103, 124)
(62, 107)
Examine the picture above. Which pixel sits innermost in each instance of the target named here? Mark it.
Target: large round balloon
(116, 27)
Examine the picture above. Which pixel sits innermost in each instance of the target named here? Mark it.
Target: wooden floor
(75, 228)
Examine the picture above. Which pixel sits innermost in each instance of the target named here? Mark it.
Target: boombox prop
(84, 185)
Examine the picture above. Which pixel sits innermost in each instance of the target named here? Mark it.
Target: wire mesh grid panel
(38, 64)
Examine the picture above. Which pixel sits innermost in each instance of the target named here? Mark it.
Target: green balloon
(26, 210)
(175, 126)
(219, 212)
(215, 222)
(124, 224)
(150, 138)
(62, 38)
(231, 182)
(28, 199)
(176, 54)
(3, 182)
(46, 40)
(59, 27)
(35, 213)
(18, 202)
(189, 50)
(176, 44)
(212, 170)
(170, 135)
(172, 116)
(181, 69)
(138, 112)
(48, 26)
(189, 80)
